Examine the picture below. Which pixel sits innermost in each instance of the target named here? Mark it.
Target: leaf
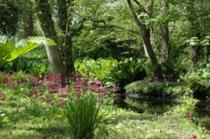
(10, 51)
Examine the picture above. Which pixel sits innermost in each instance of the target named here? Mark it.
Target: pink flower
(85, 84)
(114, 89)
(97, 84)
(77, 86)
(101, 92)
(64, 91)
(53, 86)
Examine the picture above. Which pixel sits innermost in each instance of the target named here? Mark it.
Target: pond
(161, 106)
(203, 111)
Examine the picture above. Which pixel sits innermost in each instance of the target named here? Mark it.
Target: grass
(31, 117)
(82, 114)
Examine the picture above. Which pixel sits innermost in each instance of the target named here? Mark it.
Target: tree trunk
(164, 31)
(65, 20)
(145, 34)
(152, 56)
(195, 51)
(207, 52)
(194, 56)
(165, 43)
(45, 17)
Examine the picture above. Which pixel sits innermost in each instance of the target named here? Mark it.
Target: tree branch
(141, 8)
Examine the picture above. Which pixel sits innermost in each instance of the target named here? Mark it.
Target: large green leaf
(10, 50)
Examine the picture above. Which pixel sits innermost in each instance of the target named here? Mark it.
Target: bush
(82, 114)
(157, 88)
(128, 71)
(119, 72)
(199, 81)
(100, 68)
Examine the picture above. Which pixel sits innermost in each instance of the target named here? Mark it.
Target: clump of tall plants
(82, 113)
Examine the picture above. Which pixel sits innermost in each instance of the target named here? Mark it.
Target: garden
(108, 69)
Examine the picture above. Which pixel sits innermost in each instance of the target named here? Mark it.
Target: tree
(164, 31)
(65, 19)
(144, 31)
(47, 24)
(198, 16)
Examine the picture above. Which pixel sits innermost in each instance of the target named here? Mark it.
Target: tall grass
(82, 114)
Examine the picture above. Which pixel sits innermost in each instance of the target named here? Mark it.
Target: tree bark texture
(64, 23)
(45, 17)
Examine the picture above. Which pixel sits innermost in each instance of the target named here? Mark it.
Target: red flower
(64, 91)
(101, 92)
(53, 86)
(114, 89)
(97, 84)
(85, 84)
(77, 86)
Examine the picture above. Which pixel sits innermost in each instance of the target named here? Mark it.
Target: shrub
(82, 114)
(128, 71)
(199, 81)
(120, 72)
(100, 69)
(157, 88)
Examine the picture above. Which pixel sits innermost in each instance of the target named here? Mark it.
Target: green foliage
(100, 68)
(157, 88)
(11, 50)
(110, 70)
(82, 114)
(9, 17)
(3, 119)
(199, 81)
(132, 125)
(1, 77)
(34, 63)
(195, 41)
(187, 104)
(127, 71)
(19, 76)
(32, 117)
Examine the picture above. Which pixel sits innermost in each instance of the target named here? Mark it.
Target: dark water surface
(203, 111)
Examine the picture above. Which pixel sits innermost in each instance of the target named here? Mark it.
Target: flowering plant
(61, 86)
